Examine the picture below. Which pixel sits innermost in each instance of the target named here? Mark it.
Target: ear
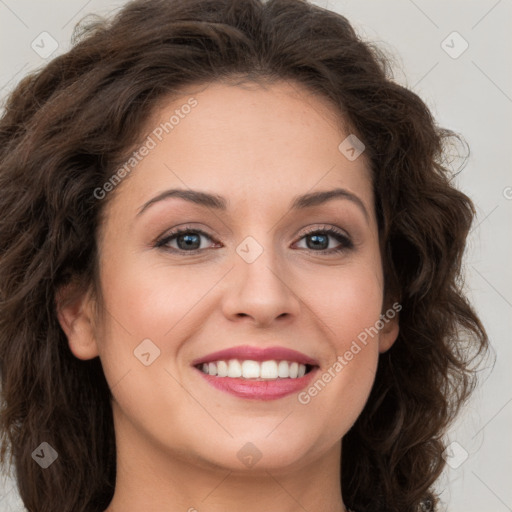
(389, 333)
(75, 314)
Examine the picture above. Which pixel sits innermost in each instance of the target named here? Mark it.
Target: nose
(260, 291)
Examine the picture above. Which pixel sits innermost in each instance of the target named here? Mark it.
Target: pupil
(321, 241)
(191, 241)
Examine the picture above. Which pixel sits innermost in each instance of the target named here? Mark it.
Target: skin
(177, 437)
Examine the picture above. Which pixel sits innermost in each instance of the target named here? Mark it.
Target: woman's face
(255, 270)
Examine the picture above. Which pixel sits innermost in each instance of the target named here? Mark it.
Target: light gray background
(471, 94)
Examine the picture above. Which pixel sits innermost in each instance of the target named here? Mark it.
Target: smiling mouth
(255, 370)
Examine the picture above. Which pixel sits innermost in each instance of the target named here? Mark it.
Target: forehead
(247, 141)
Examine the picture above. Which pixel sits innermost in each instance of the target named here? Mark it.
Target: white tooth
(222, 368)
(269, 370)
(234, 368)
(283, 369)
(212, 368)
(294, 370)
(302, 370)
(250, 369)
(205, 367)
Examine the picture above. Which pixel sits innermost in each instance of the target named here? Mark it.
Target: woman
(229, 270)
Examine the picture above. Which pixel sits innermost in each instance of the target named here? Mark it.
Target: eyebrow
(220, 203)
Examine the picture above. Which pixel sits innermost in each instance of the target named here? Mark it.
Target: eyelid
(323, 228)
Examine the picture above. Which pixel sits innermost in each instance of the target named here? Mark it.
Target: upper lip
(246, 352)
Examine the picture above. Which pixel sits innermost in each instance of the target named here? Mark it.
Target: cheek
(146, 302)
(349, 308)
(150, 302)
(150, 299)
(347, 299)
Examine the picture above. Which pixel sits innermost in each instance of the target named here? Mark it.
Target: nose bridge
(258, 245)
(259, 263)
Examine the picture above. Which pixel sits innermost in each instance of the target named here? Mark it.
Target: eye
(187, 240)
(317, 240)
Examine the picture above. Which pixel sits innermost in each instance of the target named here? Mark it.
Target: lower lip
(270, 389)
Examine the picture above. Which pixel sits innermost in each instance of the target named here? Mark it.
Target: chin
(259, 452)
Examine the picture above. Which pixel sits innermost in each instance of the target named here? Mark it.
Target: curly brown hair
(68, 126)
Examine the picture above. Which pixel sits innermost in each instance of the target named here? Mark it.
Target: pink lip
(246, 352)
(260, 389)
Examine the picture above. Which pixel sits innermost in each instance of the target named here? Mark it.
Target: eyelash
(346, 243)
